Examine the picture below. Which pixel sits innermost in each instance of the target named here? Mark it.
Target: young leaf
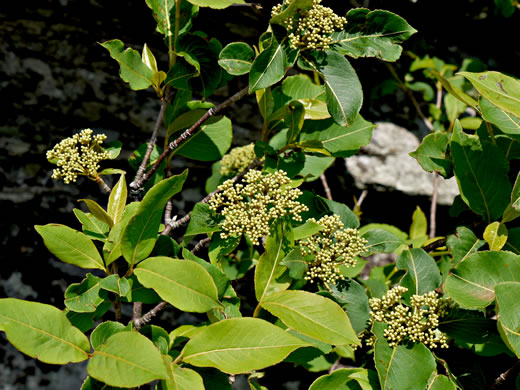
(342, 86)
(419, 226)
(70, 246)
(432, 153)
(217, 4)
(112, 248)
(375, 33)
(117, 200)
(495, 235)
(133, 70)
(236, 58)
(508, 302)
(501, 90)
(139, 237)
(340, 141)
(98, 211)
(127, 359)
(422, 274)
(312, 315)
(472, 283)
(240, 345)
(268, 267)
(481, 170)
(42, 331)
(92, 227)
(184, 284)
(84, 297)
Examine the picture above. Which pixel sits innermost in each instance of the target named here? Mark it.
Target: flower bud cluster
(311, 29)
(251, 208)
(331, 247)
(418, 322)
(237, 160)
(78, 155)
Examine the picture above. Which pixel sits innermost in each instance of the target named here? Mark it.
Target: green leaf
(394, 365)
(501, 90)
(84, 297)
(112, 248)
(306, 230)
(104, 331)
(432, 153)
(180, 74)
(508, 302)
(419, 227)
(203, 220)
(92, 227)
(217, 4)
(462, 244)
(117, 285)
(127, 359)
(312, 315)
(210, 143)
(98, 211)
(372, 34)
(240, 345)
(381, 241)
(219, 277)
(162, 15)
(340, 141)
(472, 283)
(117, 200)
(184, 284)
(294, 118)
(268, 68)
(495, 235)
(347, 378)
(506, 122)
(139, 237)
(513, 241)
(314, 167)
(515, 194)
(442, 382)
(342, 87)
(236, 58)
(353, 298)
(422, 274)
(42, 331)
(481, 170)
(181, 379)
(268, 267)
(70, 246)
(468, 326)
(132, 68)
(456, 92)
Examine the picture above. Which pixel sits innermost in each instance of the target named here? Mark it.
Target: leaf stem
(326, 186)
(491, 133)
(172, 52)
(102, 184)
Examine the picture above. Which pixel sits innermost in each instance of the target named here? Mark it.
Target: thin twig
(168, 212)
(174, 224)
(326, 186)
(357, 206)
(137, 311)
(200, 244)
(140, 322)
(433, 207)
(137, 184)
(151, 144)
(502, 378)
(102, 184)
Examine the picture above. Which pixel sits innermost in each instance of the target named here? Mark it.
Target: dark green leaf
(92, 226)
(294, 120)
(268, 68)
(432, 153)
(375, 33)
(422, 274)
(463, 243)
(353, 298)
(203, 220)
(381, 241)
(508, 302)
(236, 58)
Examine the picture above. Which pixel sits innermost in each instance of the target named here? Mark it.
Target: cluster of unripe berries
(311, 29)
(237, 160)
(78, 155)
(252, 207)
(418, 322)
(331, 247)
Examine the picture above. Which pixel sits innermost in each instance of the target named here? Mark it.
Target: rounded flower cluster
(418, 322)
(252, 207)
(311, 29)
(78, 155)
(331, 247)
(237, 160)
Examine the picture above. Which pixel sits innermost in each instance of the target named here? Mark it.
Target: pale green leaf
(98, 211)
(218, 4)
(495, 235)
(117, 200)
(236, 58)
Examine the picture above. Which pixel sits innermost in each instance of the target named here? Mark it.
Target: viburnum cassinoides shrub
(308, 301)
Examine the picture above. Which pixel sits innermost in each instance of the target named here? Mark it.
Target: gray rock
(385, 163)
